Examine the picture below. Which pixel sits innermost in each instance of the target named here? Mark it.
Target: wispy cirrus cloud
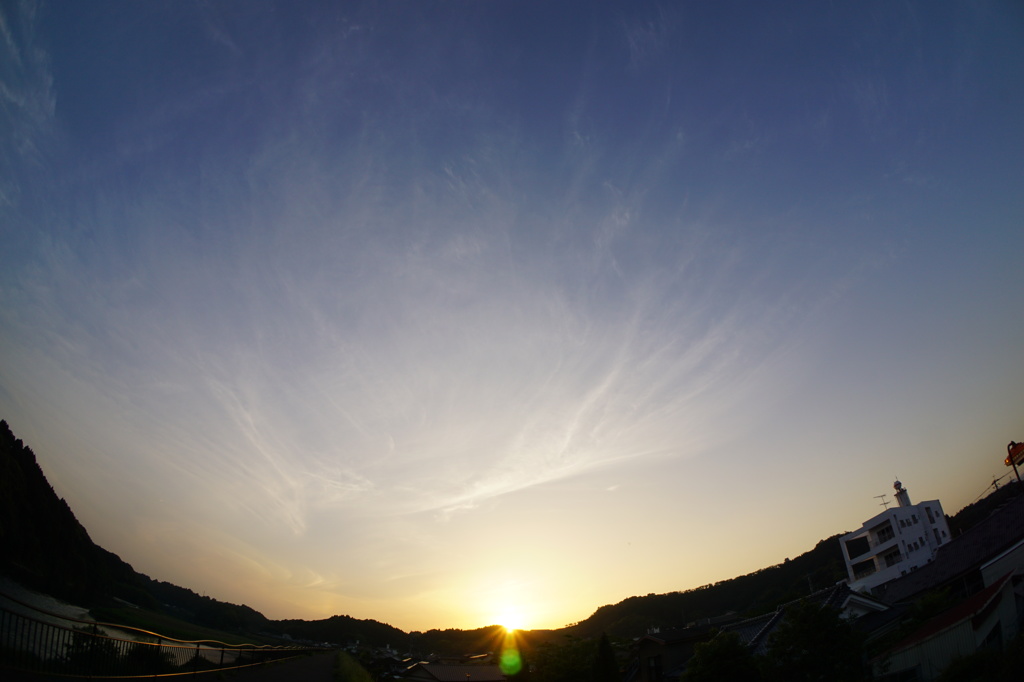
(27, 97)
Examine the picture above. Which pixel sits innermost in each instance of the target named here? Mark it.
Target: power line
(993, 484)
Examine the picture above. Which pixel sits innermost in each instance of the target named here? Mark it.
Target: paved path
(316, 668)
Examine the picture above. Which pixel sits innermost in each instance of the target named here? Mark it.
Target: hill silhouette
(47, 549)
(746, 595)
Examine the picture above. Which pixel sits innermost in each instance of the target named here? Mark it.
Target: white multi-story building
(894, 542)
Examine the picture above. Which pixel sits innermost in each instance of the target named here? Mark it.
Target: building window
(654, 669)
(931, 519)
(885, 533)
(892, 557)
(938, 540)
(863, 569)
(914, 516)
(903, 524)
(856, 547)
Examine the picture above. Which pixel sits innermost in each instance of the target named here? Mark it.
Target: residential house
(987, 620)
(755, 632)
(663, 656)
(895, 542)
(958, 564)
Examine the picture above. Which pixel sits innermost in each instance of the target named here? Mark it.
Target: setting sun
(511, 620)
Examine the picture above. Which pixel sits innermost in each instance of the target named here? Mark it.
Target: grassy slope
(169, 626)
(348, 669)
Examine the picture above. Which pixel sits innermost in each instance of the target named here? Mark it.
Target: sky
(455, 313)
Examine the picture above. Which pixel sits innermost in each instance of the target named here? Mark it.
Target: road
(316, 668)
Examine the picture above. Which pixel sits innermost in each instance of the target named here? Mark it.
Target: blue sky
(446, 313)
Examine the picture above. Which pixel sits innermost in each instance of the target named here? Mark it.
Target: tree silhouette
(606, 667)
(814, 643)
(722, 659)
(569, 661)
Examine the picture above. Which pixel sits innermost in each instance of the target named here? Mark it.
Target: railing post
(92, 648)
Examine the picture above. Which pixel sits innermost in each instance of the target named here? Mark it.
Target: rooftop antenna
(885, 503)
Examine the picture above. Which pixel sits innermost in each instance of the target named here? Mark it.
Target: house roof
(863, 599)
(758, 641)
(878, 623)
(966, 609)
(988, 538)
(676, 635)
(754, 632)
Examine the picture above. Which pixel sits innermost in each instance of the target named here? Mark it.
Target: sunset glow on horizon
(453, 314)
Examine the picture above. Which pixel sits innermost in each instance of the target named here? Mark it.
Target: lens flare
(510, 662)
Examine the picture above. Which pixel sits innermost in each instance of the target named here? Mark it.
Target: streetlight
(1014, 456)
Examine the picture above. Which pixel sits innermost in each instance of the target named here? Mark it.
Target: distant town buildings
(895, 542)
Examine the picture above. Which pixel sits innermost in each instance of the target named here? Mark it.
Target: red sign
(1014, 453)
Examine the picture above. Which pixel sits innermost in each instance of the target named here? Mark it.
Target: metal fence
(53, 645)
